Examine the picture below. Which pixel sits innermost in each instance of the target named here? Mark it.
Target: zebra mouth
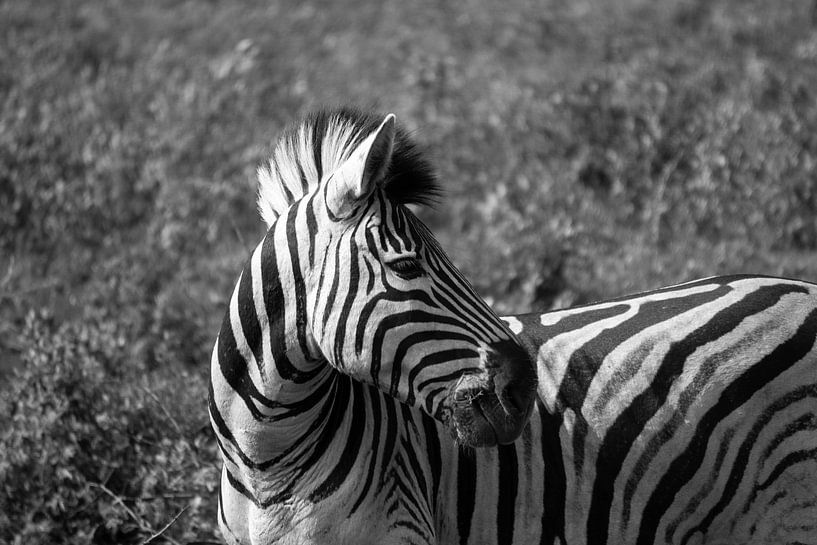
(479, 418)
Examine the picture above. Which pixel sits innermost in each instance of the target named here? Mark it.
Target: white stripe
(513, 324)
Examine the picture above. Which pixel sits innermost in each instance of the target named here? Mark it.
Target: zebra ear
(361, 173)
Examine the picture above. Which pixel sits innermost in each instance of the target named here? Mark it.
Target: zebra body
(683, 415)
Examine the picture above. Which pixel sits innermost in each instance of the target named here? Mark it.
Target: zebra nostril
(515, 383)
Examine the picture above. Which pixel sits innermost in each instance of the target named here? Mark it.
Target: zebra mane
(320, 143)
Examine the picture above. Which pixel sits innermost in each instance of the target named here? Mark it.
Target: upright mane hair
(316, 146)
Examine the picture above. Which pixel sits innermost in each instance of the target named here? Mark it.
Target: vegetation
(588, 149)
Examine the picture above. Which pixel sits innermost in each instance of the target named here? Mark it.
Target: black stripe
(417, 473)
(249, 319)
(454, 375)
(535, 334)
(401, 228)
(412, 526)
(300, 288)
(318, 295)
(387, 227)
(351, 448)
(221, 508)
(325, 193)
(311, 228)
(555, 486)
(333, 291)
(381, 233)
(274, 305)
(733, 396)
(466, 491)
(235, 371)
(351, 293)
(508, 487)
(789, 460)
(221, 426)
(281, 182)
(437, 358)
(434, 457)
(241, 489)
(390, 443)
(374, 397)
(301, 174)
(319, 129)
(370, 276)
(432, 395)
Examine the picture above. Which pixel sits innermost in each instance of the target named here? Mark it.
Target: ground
(588, 149)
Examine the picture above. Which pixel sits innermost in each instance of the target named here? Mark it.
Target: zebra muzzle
(493, 407)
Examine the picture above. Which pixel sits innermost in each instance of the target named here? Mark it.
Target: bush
(94, 450)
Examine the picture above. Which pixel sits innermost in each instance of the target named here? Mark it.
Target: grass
(588, 149)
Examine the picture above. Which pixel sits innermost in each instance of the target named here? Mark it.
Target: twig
(79, 510)
(164, 410)
(139, 520)
(659, 208)
(23, 291)
(168, 525)
(160, 497)
(7, 278)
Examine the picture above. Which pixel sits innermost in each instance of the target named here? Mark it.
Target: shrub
(94, 450)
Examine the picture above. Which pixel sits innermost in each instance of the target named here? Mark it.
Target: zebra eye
(406, 268)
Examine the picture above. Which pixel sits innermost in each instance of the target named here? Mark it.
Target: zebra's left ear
(361, 173)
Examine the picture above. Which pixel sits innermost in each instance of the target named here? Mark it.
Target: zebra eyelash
(407, 268)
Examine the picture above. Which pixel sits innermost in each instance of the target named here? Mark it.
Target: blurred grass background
(588, 149)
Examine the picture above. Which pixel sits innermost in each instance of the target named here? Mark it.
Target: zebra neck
(350, 442)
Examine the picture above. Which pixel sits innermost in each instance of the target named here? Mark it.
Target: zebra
(687, 414)
(347, 322)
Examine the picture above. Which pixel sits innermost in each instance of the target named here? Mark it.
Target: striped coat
(683, 415)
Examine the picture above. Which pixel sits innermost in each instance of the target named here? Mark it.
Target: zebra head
(382, 301)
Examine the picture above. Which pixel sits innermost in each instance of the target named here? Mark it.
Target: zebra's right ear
(362, 172)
